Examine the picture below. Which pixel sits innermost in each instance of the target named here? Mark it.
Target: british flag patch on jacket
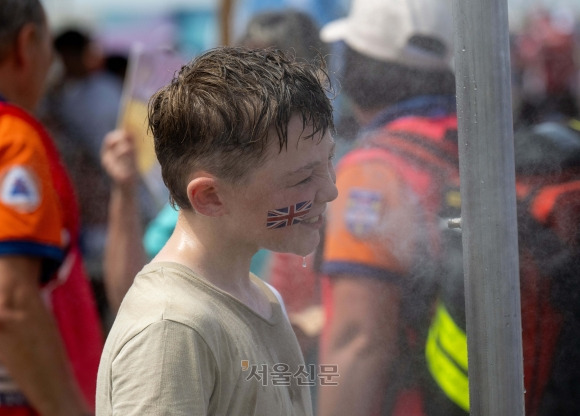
(283, 217)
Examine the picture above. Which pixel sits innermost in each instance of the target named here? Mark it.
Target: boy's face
(281, 205)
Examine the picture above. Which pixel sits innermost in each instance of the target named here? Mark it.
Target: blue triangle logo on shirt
(19, 189)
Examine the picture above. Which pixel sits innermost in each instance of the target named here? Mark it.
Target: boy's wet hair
(217, 113)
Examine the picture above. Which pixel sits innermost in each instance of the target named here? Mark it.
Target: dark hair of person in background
(71, 41)
(288, 30)
(71, 45)
(116, 64)
(20, 13)
(374, 84)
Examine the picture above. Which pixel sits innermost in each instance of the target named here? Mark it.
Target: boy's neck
(213, 258)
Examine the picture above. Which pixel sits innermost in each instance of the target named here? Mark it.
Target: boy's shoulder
(169, 294)
(164, 294)
(171, 291)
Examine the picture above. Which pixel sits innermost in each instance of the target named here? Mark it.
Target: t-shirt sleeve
(371, 226)
(167, 369)
(30, 211)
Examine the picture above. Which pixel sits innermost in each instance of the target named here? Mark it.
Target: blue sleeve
(159, 230)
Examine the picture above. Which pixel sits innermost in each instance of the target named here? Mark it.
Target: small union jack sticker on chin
(284, 217)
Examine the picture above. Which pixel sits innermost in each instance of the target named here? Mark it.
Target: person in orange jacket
(50, 334)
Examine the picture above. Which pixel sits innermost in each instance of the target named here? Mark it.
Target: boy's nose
(329, 192)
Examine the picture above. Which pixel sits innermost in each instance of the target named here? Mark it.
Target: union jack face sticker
(284, 217)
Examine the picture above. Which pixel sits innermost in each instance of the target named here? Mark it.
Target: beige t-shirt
(181, 346)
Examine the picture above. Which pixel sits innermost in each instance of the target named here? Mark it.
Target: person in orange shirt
(50, 334)
(380, 249)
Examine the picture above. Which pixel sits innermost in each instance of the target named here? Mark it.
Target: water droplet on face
(303, 261)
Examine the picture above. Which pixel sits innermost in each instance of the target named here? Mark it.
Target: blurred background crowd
(93, 39)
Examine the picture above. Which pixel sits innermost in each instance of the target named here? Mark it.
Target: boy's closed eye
(304, 181)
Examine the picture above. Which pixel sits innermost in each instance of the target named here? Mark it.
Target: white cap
(381, 29)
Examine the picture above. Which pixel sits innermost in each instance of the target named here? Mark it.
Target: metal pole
(489, 224)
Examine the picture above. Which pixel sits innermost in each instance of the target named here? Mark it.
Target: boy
(243, 139)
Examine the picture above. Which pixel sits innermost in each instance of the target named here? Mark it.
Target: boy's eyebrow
(311, 165)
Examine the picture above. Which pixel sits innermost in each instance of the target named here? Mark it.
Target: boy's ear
(203, 195)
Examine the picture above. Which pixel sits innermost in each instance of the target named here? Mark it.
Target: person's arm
(368, 248)
(361, 339)
(31, 348)
(124, 253)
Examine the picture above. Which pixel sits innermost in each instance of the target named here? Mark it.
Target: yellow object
(135, 121)
(446, 354)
